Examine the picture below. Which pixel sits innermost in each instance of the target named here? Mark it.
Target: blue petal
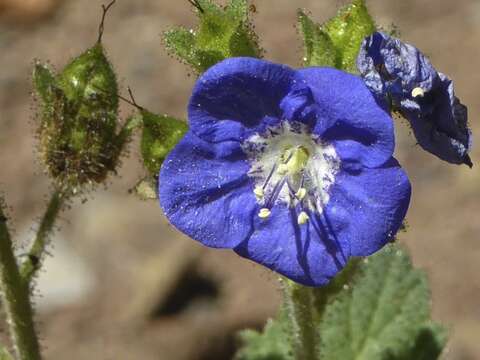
(205, 191)
(367, 207)
(391, 66)
(310, 254)
(440, 126)
(392, 69)
(237, 98)
(347, 115)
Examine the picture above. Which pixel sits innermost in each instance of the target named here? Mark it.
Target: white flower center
(291, 166)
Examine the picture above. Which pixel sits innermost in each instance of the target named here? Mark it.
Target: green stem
(34, 256)
(16, 300)
(300, 308)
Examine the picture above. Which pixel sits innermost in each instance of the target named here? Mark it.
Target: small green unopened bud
(160, 135)
(336, 43)
(222, 33)
(77, 132)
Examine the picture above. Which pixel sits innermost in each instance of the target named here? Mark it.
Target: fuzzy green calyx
(222, 33)
(160, 135)
(78, 139)
(337, 42)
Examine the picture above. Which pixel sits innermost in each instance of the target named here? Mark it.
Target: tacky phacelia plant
(292, 169)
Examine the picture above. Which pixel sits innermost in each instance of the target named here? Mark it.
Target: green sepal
(159, 136)
(221, 33)
(318, 47)
(43, 81)
(347, 30)
(337, 42)
(90, 75)
(181, 42)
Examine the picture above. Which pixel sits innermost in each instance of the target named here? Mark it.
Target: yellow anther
(302, 218)
(264, 213)
(258, 191)
(300, 194)
(418, 92)
(282, 169)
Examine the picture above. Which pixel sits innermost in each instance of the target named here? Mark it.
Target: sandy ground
(125, 285)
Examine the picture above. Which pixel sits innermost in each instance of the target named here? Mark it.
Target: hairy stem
(299, 304)
(16, 299)
(34, 256)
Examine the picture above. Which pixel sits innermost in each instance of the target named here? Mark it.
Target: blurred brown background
(123, 284)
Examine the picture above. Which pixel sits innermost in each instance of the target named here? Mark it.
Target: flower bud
(222, 33)
(78, 141)
(160, 135)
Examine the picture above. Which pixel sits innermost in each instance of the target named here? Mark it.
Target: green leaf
(347, 30)
(385, 314)
(272, 344)
(377, 308)
(221, 33)
(318, 47)
(160, 135)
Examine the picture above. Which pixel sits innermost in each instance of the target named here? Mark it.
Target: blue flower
(292, 169)
(400, 74)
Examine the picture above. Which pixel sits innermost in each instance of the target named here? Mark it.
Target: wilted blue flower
(400, 74)
(291, 169)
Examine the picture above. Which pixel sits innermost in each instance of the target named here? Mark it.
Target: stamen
(259, 192)
(418, 92)
(276, 190)
(264, 213)
(302, 218)
(300, 194)
(269, 177)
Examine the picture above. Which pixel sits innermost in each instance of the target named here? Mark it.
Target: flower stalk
(32, 262)
(16, 299)
(299, 304)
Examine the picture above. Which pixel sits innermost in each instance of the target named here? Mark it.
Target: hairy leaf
(385, 314)
(272, 344)
(377, 308)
